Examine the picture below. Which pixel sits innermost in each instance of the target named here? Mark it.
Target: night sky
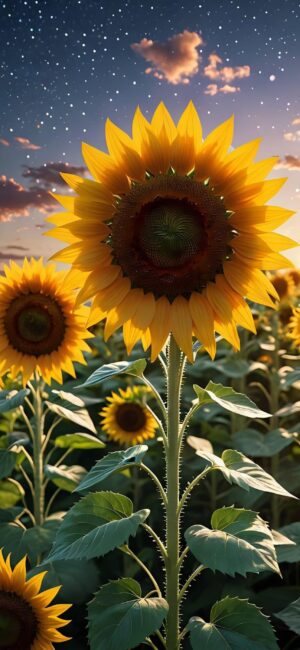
(68, 65)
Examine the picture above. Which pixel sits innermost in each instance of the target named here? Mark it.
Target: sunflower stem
(38, 459)
(174, 381)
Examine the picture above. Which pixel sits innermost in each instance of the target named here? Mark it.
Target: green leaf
(33, 542)
(7, 462)
(78, 441)
(120, 618)
(113, 462)
(291, 378)
(257, 444)
(229, 399)
(10, 493)
(235, 624)
(290, 615)
(135, 368)
(290, 552)
(79, 579)
(95, 525)
(80, 416)
(10, 514)
(67, 399)
(11, 399)
(237, 468)
(66, 477)
(239, 542)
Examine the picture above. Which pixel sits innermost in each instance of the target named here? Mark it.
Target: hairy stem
(38, 460)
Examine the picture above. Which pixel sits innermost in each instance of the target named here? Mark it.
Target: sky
(67, 65)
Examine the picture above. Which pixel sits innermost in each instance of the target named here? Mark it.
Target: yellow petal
(101, 277)
(260, 217)
(203, 322)
(160, 326)
(182, 326)
(249, 282)
(134, 328)
(188, 141)
(256, 194)
(241, 311)
(162, 121)
(122, 150)
(214, 148)
(102, 168)
(122, 312)
(241, 156)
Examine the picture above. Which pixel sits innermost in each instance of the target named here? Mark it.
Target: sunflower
(284, 285)
(39, 327)
(26, 621)
(174, 232)
(294, 327)
(127, 419)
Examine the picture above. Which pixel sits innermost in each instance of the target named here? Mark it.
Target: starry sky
(67, 65)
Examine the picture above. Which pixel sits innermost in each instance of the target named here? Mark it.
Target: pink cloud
(296, 120)
(4, 142)
(292, 136)
(214, 70)
(214, 89)
(16, 200)
(175, 60)
(26, 144)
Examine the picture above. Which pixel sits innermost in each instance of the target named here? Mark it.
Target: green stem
(274, 402)
(38, 461)
(193, 575)
(144, 568)
(174, 378)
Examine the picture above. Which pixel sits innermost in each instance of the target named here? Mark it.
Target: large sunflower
(127, 419)
(173, 232)
(39, 327)
(26, 621)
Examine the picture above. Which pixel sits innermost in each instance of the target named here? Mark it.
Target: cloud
(292, 136)
(296, 120)
(48, 174)
(224, 73)
(175, 60)
(214, 89)
(26, 144)
(19, 248)
(289, 162)
(16, 200)
(4, 142)
(10, 256)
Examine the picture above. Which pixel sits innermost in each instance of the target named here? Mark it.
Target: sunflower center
(171, 235)
(171, 231)
(130, 417)
(34, 324)
(18, 624)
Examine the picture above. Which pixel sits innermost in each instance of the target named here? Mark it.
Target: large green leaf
(239, 469)
(291, 378)
(229, 399)
(95, 525)
(235, 624)
(113, 462)
(33, 542)
(7, 462)
(257, 444)
(80, 416)
(135, 368)
(78, 441)
(290, 615)
(79, 579)
(66, 477)
(120, 618)
(11, 399)
(239, 542)
(290, 552)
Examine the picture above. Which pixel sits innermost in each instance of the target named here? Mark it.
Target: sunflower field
(149, 405)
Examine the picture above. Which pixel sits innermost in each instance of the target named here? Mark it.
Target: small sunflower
(40, 328)
(26, 621)
(295, 275)
(294, 327)
(174, 232)
(127, 419)
(284, 285)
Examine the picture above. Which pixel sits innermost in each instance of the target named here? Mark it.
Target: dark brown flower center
(171, 235)
(34, 324)
(18, 624)
(131, 417)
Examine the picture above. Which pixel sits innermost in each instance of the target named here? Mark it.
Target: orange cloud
(26, 144)
(16, 200)
(224, 73)
(296, 120)
(175, 60)
(214, 89)
(289, 162)
(4, 142)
